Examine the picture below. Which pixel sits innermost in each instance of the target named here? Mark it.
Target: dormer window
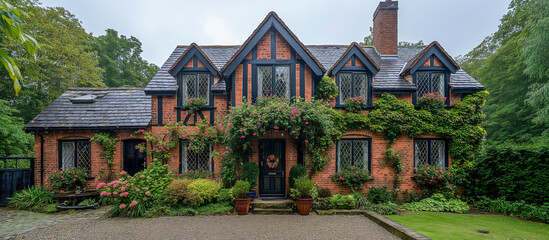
(273, 80)
(352, 84)
(195, 85)
(430, 82)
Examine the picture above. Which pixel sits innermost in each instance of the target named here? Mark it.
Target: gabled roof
(190, 52)
(432, 49)
(358, 51)
(272, 20)
(113, 108)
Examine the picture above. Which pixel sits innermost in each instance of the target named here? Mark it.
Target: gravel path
(217, 227)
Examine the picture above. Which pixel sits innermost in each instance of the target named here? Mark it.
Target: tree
(120, 57)
(11, 25)
(13, 140)
(64, 60)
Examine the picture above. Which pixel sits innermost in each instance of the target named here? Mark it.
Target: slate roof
(387, 79)
(114, 108)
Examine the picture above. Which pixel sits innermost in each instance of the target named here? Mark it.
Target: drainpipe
(41, 158)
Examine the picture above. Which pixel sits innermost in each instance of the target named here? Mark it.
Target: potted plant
(240, 194)
(250, 172)
(68, 180)
(303, 193)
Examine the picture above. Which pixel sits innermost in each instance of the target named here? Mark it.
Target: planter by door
(304, 205)
(134, 161)
(271, 178)
(242, 205)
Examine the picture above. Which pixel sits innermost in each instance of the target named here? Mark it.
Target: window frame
(181, 149)
(429, 157)
(369, 140)
(273, 78)
(446, 84)
(60, 153)
(368, 102)
(209, 101)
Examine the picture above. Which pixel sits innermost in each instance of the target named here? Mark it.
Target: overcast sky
(160, 25)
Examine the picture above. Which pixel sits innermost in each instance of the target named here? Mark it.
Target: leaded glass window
(430, 82)
(195, 86)
(196, 160)
(430, 151)
(353, 153)
(273, 80)
(352, 85)
(75, 154)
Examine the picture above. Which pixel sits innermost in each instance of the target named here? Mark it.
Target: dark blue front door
(271, 176)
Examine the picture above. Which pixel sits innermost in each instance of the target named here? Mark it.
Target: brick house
(271, 61)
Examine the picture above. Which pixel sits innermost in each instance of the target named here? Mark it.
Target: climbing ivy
(108, 141)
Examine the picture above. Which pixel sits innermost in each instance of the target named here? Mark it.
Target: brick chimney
(386, 28)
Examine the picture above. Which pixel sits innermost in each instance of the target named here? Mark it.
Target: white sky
(160, 25)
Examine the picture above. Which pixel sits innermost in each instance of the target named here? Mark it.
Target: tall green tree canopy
(120, 57)
(513, 64)
(13, 140)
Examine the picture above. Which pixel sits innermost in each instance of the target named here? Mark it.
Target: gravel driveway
(217, 227)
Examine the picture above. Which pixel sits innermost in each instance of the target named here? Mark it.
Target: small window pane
(282, 81)
(438, 153)
(203, 87)
(437, 82)
(422, 83)
(264, 81)
(84, 155)
(189, 86)
(345, 86)
(361, 154)
(421, 153)
(360, 85)
(345, 156)
(67, 154)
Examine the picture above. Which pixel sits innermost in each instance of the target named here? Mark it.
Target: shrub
(388, 208)
(354, 104)
(377, 195)
(194, 104)
(514, 208)
(67, 179)
(340, 201)
(132, 196)
(204, 189)
(32, 199)
(197, 174)
(326, 89)
(324, 192)
(431, 180)
(296, 172)
(437, 203)
(177, 190)
(431, 102)
(215, 208)
(224, 195)
(240, 189)
(514, 172)
(353, 178)
(250, 172)
(159, 210)
(304, 188)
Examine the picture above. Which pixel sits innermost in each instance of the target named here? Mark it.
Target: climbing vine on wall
(108, 141)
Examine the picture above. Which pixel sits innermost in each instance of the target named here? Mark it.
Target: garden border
(393, 227)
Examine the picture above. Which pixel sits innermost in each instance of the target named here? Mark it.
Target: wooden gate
(16, 173)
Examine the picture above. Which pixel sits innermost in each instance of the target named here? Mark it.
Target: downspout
(41, 158)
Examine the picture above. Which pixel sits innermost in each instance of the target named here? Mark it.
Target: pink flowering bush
(354, 178)
(132, 196)
(431, 101)
(67, 179)
(432, 180)
(354, 104)
(194, 104)
(197, 174)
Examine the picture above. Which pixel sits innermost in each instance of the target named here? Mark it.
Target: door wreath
(272, 161)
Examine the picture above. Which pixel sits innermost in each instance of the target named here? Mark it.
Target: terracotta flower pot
(242, 205)
(304, 205)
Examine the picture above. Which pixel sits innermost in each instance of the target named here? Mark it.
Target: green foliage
(250, 172)
(32, 199)
(431, 102)
(355, 104)
(13, 140)
(108, 141)
(120, 58)
(394, 158)
(194, 104)
(437, 203)
(431, 180)
(515, 208)
(304, 188)
(324, 193)
(205, 190)
(296, 171)
(326, 89)
(388, 208)
(353, 178)
(515, 172)
(159, 210)
(197, 174)
(377, 195)
(215, 208)
(67, 179)
(132, 196)
(13, 29)
(87, 202)
(340, 201)
(177, 191)
(240, 189)
(224, 195)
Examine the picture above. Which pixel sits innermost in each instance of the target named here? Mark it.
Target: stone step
(273, 204)
(273, 211)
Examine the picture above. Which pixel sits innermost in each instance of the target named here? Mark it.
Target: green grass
(215, 208)
(438, 225)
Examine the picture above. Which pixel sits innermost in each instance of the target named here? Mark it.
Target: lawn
(464, 226)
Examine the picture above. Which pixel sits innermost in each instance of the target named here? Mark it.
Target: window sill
(204, 108)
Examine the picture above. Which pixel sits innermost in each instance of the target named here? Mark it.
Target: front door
(272, 165)
(134, 161)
